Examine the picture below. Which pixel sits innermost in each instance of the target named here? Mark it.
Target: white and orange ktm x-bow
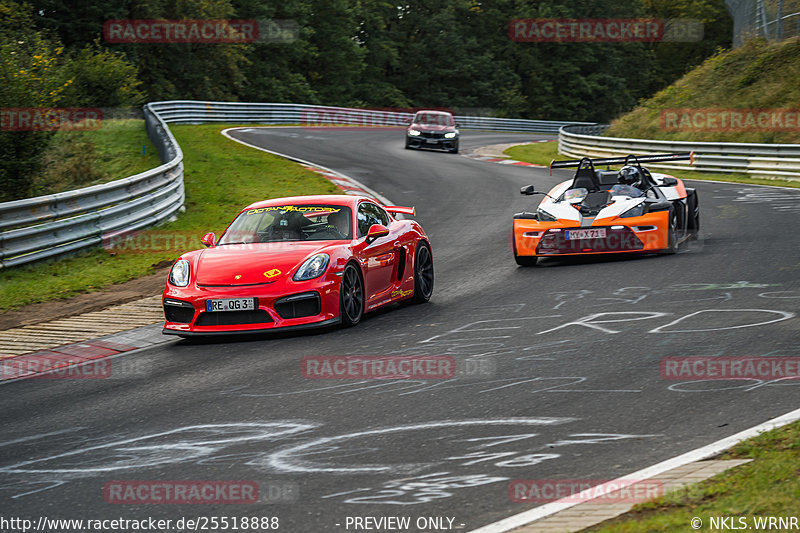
(630, 210)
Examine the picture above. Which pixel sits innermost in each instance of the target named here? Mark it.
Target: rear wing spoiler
(630, 159)
(398, 210)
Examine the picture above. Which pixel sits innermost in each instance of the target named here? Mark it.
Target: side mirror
(527, 190)
(376, 231)
(209, 239)
(669, 182)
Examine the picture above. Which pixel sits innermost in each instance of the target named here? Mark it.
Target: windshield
(626, 190)
(290, 223)
(575, 195)
(434, 119)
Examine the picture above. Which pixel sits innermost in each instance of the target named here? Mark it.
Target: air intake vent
(178, 311)
(299, 305)
(232, 318)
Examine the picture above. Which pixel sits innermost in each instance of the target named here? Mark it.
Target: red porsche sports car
(299, 262)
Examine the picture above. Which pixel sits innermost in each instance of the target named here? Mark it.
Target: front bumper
(645, 234)
(421, 141)
(284, 304)
(299, 327)
(555, 242)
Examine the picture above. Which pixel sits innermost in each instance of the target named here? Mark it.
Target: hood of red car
(432, 127)
(250, 264)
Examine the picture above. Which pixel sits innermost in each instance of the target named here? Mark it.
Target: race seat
(586, 177)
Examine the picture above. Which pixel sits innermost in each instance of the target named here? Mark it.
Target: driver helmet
(340, 220)
(630, 174)
(291, 220)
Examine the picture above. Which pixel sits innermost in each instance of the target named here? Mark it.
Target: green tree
(334, 62)
(202, 71)
(572, 80)
(272, 71)
(205, 71)
(100, 78)
(674, 59)
(77, 23)
(29, 77)
(376, 34)
(37, 72)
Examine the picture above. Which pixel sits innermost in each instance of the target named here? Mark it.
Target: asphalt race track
(560, 374)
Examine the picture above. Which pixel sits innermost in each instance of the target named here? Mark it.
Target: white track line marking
(704, 452)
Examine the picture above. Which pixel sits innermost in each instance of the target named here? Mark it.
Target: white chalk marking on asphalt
(192, 444)
(291, 459)
(40, 436)
(785, 315)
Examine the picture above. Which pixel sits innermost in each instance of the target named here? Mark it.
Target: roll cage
(586, 176)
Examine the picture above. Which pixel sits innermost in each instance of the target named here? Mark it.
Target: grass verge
(221, 177)
(543, 153)
(767, 486)
(759, 76)
(75, 159)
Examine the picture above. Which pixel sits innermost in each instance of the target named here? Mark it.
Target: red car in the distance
(304, 261)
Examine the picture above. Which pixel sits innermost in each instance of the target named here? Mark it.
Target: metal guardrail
(194, 112)
(57, 224)
(761, 160)
(48, 226)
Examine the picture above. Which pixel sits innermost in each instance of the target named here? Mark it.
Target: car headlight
(635, 211)
(313, 267)
(450, 135)
(544, 216)
(179, 274)
(414, 133)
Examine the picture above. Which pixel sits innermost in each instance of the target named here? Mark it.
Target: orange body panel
(653, 240)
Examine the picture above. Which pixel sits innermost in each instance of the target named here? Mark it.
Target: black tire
(693, 208)
(522, 260)
(672, 236)
(454, 149)
(351, 296)
(423, 273)
(526, 260)
(408, 146)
